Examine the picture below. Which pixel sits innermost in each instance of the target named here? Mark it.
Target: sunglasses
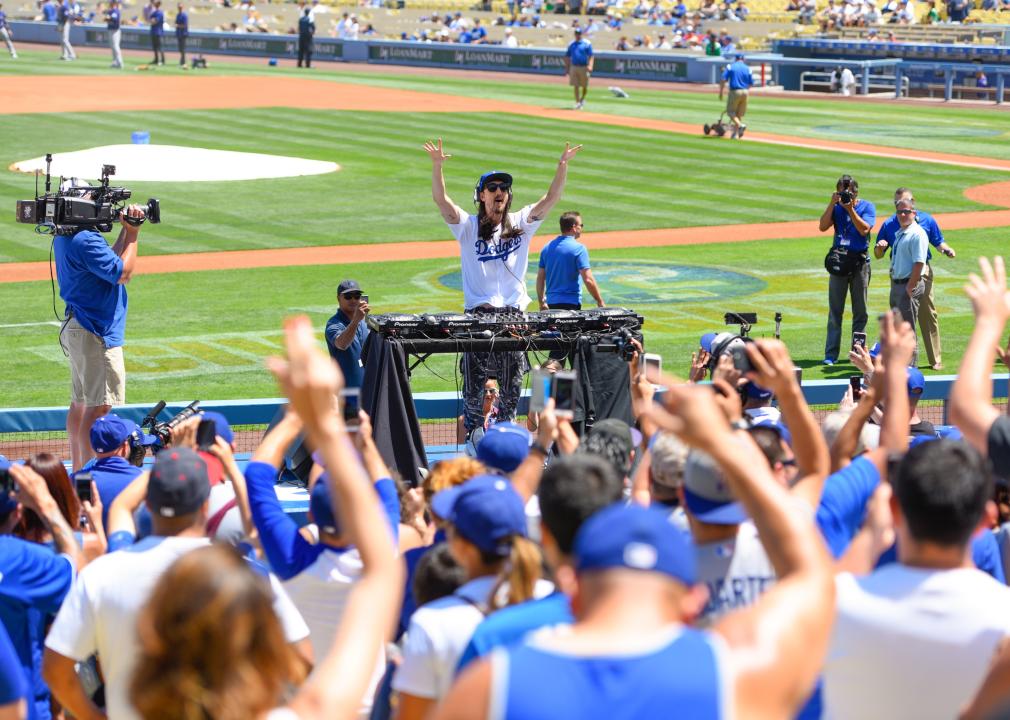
(352, 296)
(496, 186)
(906, 212)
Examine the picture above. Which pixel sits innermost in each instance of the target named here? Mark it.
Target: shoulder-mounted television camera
(75, 208)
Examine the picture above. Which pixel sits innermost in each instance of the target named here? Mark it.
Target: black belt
(900, 282)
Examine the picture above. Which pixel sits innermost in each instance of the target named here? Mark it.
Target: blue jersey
(33, 582)
(49, 12)
(682, 678)
(508, 626)
(88, 272)
(846, 234)
(158, 22)
(563, 260)
(111, 476)
(349, 358)
(738, 75)
(926, 221)
(112, 18)
(182, 24)
(3, 19)
(579, 53)
(13, 686)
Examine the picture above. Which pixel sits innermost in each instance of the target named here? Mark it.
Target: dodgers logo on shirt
(501, 250)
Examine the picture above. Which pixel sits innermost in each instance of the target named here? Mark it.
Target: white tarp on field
(173, 163)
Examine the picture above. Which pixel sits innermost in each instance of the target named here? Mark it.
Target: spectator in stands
(116, 441)
(957, 10)
(100, 613)
(347, 331)
(712, 46)
(487, 536)
(928, 320)
(709, 10)
(915, 638)
(479, 33)
(510, 39)
(932, 16)
(851, 223)
(33, 579)
(223, 632)
(908, 259)
(830, 16)
(572, 489)
(871, 16)
(971, 407)
(906, 13)
(622, 45)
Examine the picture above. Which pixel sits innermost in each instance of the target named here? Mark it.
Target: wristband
(538, 448)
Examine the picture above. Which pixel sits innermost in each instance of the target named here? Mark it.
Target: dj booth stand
(603, 389)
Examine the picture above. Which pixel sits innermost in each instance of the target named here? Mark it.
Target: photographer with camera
(847, 261)
(347, 331)
(92, 278)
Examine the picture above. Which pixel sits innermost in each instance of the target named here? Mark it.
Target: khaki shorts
(736, 105)
(579, 76)
(97, 373)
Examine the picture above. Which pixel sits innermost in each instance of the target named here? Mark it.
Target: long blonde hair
(211, 646)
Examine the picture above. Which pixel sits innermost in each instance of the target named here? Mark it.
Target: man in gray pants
(908, 258)
(112, 19)
(852, 220)
(64, 21)
(5, 34)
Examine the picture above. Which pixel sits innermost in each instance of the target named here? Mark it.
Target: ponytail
(520, 573)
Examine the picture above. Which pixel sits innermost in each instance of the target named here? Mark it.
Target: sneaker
(828, 362)
(733, 135)
(742, 128)
(937, 366)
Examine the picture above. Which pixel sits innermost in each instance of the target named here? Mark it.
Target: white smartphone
(350, 404)
(653, 365)
(563, 392)
(540, 389)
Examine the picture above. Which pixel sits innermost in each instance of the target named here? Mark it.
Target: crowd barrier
(430, 406)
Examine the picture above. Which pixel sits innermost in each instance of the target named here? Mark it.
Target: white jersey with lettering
(736, 572)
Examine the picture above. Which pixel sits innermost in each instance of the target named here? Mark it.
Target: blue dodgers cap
(222, 426)
(493, 175)
(707, 494)
(637, 538)
(504, 446)
(706, 341)
(486, 510)
(179, 483)
(757, 392)
(321, 506)
(916, 382)
(778, 426)
(348, 286)
(110, 431)
(875, 350)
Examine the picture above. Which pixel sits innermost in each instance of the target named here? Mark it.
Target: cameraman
(852, 221)
(92, 277)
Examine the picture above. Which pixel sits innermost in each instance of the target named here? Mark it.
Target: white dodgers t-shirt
(494, 272)
(100, 612)
(912, 642)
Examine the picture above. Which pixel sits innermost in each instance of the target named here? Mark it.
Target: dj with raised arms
(494, 251)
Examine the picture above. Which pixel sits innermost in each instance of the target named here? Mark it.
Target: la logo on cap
(640, 556)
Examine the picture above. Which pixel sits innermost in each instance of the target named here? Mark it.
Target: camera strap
(134, 221)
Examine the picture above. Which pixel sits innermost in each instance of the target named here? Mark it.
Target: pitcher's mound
(173, 163)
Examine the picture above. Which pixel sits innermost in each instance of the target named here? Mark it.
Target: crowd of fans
(727, 554)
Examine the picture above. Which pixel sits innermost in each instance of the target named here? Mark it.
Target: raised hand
(773, 367)
(692, 413)
(989, 295)
(567, 155)
(897, 341)
(699, 365)
(435, 152)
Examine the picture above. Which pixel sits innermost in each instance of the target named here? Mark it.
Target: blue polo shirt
(478, 33)
(579, 53)
(112, 19)
(33, 582)
(846, 235)
(842, 509)
(88, 272)
(563, 259)
(158, 22)
(182, 24)
(111, 476)
(509, 626)
(738, 75)
(349, 359)
(49, 12)
(891, 226)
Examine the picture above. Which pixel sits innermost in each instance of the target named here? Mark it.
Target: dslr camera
(845, 194)
(163, 430)
(69, 210)
(727, 343)
(620, 343)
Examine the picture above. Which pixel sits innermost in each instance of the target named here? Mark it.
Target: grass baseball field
(203, 334)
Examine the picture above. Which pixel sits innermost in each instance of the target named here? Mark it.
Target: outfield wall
(430, 406)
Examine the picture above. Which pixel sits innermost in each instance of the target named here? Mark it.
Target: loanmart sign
(225, 43)
(443, 55)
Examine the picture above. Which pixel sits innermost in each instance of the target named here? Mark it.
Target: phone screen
(540, 389)
(856, 382)
(350, 400)
(206, 434)
(859, 339)
(653, 365)
(798, 371)
(364, 299)
(82, 484)
(563, 392)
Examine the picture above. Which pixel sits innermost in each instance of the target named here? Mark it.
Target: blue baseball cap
(504, 446)
(706, 341)
(637, 538)
(778, 426)
(707, 494)
(110, 431)
(223, 427)
(321, 506)
(916, 382)
(875, 350)
(486, 510)
(757, 392)
(493, 175)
